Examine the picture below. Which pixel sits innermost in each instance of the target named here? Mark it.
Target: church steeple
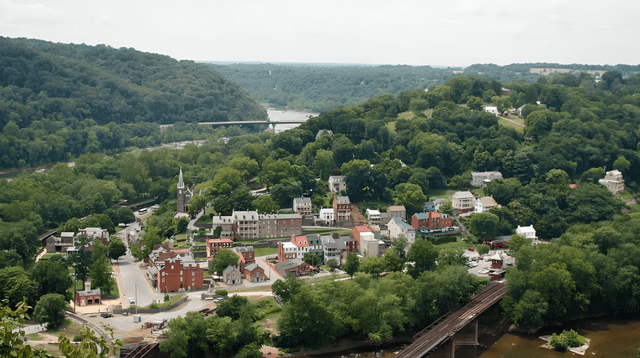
(180, 180)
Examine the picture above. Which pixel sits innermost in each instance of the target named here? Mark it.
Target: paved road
(133, 276)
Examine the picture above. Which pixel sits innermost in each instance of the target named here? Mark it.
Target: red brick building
(246, 256)
(88, 297)
(214, 245)
(356, 231)
(431, 219)
(254, 273)
(173, 275)
(294, 267)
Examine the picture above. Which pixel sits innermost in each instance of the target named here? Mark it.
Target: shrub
(166, 298)
(222, 292)
(566, 339)
(483, 249)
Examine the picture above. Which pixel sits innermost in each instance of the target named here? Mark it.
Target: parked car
(132, 301)
(106, 315)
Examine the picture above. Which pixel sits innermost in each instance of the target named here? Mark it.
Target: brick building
(356, 234)
(174, 274)
(214, 245)
(431, 219)
(246, 256)
(88, 297)
(341, 209)
(294, 267)
(254, 273)
(279, 225)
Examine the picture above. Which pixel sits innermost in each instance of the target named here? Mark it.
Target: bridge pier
(468, 336)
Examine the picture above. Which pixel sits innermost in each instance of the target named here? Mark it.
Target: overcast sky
(412, 32)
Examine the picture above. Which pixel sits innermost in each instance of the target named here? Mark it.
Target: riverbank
(345, 347)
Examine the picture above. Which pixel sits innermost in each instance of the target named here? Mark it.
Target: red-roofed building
(295, 249)
(356, 231)
(214, 245)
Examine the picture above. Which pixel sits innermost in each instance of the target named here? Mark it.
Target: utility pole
(136, 285)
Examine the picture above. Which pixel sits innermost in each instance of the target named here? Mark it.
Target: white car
(132, 301)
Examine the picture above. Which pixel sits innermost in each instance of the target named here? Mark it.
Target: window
(180, 279)
(180, 272)
(193, 279)
(163, 280)
(172, 267)
(193, 273)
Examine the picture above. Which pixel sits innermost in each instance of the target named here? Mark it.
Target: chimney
(87, 286)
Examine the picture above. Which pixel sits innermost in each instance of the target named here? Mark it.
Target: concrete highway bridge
(455, 329)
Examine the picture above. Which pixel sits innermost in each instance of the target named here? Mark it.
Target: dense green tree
(82, 259)
(265, 204)
(223, 259)
(484, 225)
(352, 265)
(100, 274)
(52, 276)
(117, 248)
(373, 265)
(50, 310)
(423, 254)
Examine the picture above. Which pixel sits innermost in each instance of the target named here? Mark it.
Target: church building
(184, 195)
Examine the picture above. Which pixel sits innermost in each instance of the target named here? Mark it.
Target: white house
(463, 201)
(337, 184)
(491, 109)
(485, 204)
(302, 206)
(368, 245)
(326, 216)
(480, 179)
(373, 216)
(527, 231)
(398, 227)
(613, 181)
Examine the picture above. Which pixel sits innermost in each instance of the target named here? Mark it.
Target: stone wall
(119, 310)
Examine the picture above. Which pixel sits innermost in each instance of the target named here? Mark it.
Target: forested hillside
(320, 88)
(58, 101)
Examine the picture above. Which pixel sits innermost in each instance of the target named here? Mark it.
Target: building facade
(337, 184)
(398, 227)
(463, 201)
(614, 181)
(480, 179)
(397, 211)
(341, 209)
(373, 216)
(279, 225)
(432, 220)
(176, 275)
(215, 245)
(302, 206)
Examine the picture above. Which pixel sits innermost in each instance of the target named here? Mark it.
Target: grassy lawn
(204, 219)
(440, 193)
(515, 118)
(456, 245)
(392, 127)
(266, 251)
(120, 228)
(510, 125)
(180, 245)
(321, 231)
(626, 195)
(181, 237)
(69, 328)
(172, 300)
(49, 255)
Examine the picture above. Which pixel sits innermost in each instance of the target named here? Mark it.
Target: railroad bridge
(457, 328)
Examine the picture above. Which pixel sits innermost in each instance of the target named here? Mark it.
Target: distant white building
(491, 109)
(614, 181)
(373, 216)
(302, 206)
(398, 227)
(368, 245)
(337, 184)
(527, 231)
(485, 204)
(463, 201)
(327, 216)
(479, 179)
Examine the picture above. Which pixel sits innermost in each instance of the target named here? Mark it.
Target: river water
(277, 115)
(611, 336)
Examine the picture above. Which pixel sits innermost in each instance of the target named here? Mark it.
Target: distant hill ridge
(115, 85)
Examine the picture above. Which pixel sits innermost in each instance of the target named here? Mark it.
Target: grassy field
(510, 125)
(266, 251)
